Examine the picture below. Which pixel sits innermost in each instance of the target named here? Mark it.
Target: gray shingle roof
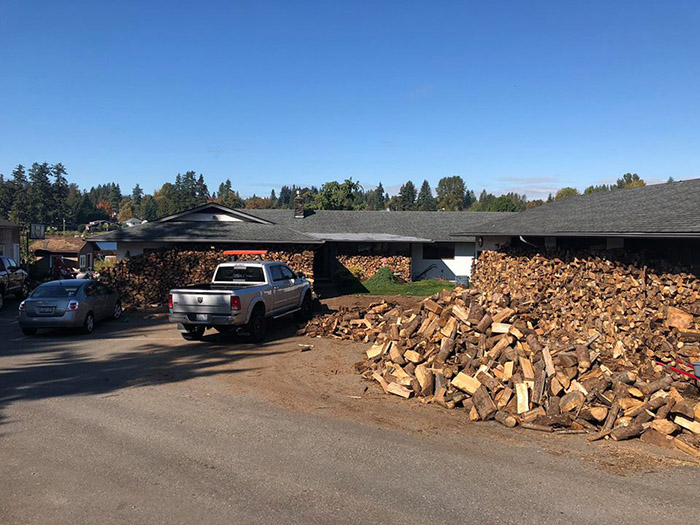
(662, 210)
(200, 231)
(428, 225)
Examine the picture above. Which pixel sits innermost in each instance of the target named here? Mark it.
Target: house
(75, 252)
(661, 219)
(9, 239)
(425, 237)
(133, 222)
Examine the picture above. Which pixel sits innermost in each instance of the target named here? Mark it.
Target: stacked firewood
(475, 351)
(366, 266)
(145, 280)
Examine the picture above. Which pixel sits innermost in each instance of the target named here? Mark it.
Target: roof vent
(298, 206)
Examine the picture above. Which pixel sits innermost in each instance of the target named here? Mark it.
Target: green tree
(149, 209)
(59, 190)
(137, 195)
(425, 200)
(629, 180)
(376, 199)
(40, 196)
(565, 193)
(338, 196)
(406, 199)
(450, 193)
(5, 198)
(596, 189)
(228, 197)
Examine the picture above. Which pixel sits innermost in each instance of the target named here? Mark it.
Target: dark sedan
(70, 303)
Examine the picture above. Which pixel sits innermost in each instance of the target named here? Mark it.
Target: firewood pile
(475, 351)
(144, 280)
(366, 266)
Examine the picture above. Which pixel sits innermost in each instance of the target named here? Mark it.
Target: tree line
(42, 194)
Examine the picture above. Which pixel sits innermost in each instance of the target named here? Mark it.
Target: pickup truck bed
(240, 305)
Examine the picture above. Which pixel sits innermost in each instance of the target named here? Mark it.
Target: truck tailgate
(202, 302)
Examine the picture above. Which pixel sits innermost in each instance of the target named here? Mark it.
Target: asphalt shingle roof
(200, 231)
(425, 225)
(662, 210)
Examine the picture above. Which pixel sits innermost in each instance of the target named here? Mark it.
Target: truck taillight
(170, 301)
(235, 302)
(73, 305)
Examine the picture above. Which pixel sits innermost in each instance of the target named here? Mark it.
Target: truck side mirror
(301, 275)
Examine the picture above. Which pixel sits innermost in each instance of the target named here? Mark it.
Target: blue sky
(513, 96)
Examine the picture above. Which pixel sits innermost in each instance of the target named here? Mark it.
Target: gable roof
(215, 206)
(207, 232)
(280, 226)
(670, 209)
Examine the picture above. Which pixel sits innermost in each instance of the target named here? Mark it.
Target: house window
(82, 262)
(439, 250)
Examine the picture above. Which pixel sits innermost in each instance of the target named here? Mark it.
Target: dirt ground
(325, 379)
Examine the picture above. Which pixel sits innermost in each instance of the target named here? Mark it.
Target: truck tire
(257, 325)
(194, 332)
(306, 310)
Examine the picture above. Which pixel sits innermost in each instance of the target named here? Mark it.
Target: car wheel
(194, 332)
(257, 325)
(117, 310)
(23, 293)
(89, 324)
(306, 310)
(29, 331)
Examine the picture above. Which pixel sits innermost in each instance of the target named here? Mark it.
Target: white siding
(447, 269)
(208, 217)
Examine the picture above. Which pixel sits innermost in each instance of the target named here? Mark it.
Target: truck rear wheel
(257, 325)
(305, 312)
(194, 332)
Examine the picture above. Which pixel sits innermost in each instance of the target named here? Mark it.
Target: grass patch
(385, 283)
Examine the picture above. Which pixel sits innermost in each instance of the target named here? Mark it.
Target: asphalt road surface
(132, 424)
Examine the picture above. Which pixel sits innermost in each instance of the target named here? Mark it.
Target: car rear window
(56, 291)
(239, 274)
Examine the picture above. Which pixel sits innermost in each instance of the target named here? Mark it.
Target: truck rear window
(239, 274)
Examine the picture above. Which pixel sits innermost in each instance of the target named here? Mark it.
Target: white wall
(444, 268)
(208, 217)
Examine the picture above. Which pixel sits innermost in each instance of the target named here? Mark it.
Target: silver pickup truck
(241, 296)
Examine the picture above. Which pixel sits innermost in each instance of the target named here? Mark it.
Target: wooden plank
(399, 390)
(548, 362)
(500, 328)
(686, 423)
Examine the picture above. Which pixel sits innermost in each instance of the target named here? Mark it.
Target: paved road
(132, 425)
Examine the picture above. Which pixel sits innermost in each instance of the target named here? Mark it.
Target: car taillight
(170, 301)
(235, 302)
(21, 306)
(73, 305)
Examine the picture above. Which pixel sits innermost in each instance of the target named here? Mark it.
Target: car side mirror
(301, 275)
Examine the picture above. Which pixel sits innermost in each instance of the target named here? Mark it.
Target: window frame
(438, 251)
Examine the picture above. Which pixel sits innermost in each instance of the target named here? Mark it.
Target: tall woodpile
(499, 359)
(365, 266)
(144, 280)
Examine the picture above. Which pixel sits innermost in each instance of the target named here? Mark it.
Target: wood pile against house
(144, 280)
(364, 267)
(466, 349)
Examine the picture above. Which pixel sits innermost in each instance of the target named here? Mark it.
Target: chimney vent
(298, 206)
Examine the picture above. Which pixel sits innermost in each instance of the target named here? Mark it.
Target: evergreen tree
(286, 198)
(407, 197)
(59, 190)
(149, 209)
(5, 198)
(376, 199)
(425, 200)
(202, 196)
(40, 196)
(137, 195)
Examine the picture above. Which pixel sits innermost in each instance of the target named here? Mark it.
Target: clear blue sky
(513, 96)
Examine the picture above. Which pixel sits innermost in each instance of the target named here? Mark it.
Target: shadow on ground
(118, 355)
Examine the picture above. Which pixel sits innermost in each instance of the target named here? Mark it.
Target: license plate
(202, 317)
(46, 309)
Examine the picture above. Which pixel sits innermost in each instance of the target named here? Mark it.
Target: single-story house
(426, 237)
(130, 223)
(661, 219)
(9, 239)
(74, 251)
